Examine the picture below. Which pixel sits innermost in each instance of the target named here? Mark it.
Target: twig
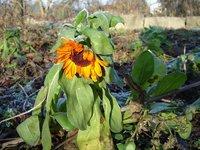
(185, 88)
(24, 113)
(67, 140)
(23, 90)
(24, 105)
(12, 143)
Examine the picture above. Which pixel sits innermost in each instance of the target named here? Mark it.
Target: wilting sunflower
(78, 60)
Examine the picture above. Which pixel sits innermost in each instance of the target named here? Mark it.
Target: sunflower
(79, 61)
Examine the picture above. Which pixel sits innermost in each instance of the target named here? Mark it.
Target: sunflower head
(80, 61)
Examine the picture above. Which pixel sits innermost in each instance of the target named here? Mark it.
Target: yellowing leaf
(46, 135)
(29, 130)
(90, 139)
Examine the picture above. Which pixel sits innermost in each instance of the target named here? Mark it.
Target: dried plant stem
(24, 113)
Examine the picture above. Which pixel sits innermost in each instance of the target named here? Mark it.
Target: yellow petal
(93, 75)
(102, 62)
(66, 64)
(73, 70)
(87, 71)
(97, 69)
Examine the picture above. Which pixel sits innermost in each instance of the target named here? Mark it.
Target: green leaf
(51, 81)
(115, 20)
(106, 106)
(39, 100)
(29, 130)
(160, 68)
(120, 146)
(111, 76)
(62, 119)
(90, 139)
(46, 135)
(170, 82)
(185, 131)
(80, 100)
(80, 17)
(130, 145)
(181, 125)
(65, 32)
(143, 68)
(115, 115)
(98, 19)
(158, 107)
(101, 44)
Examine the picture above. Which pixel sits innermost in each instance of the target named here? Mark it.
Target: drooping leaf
(106, 106)
(51, 81)
(39, 100)
(170, 82)
(143, 68)
(46, 135)
(115, 115)
(80, 17)
(29, 130)
(62, 119)
(105, 138)
(80, 100)
(90, 139)
(101, 44)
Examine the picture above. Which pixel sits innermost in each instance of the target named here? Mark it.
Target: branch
(136, 87)
(185, 88)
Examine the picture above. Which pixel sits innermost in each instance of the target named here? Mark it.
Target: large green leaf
(46, 135)
(90, 139)
(80, 100)
(170, 82)
(80, 17)
(62, 119)
(51, 81)
(29, 130)
(101, 44)
(143, 68)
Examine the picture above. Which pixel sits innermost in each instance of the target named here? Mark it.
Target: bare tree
(180, 7)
